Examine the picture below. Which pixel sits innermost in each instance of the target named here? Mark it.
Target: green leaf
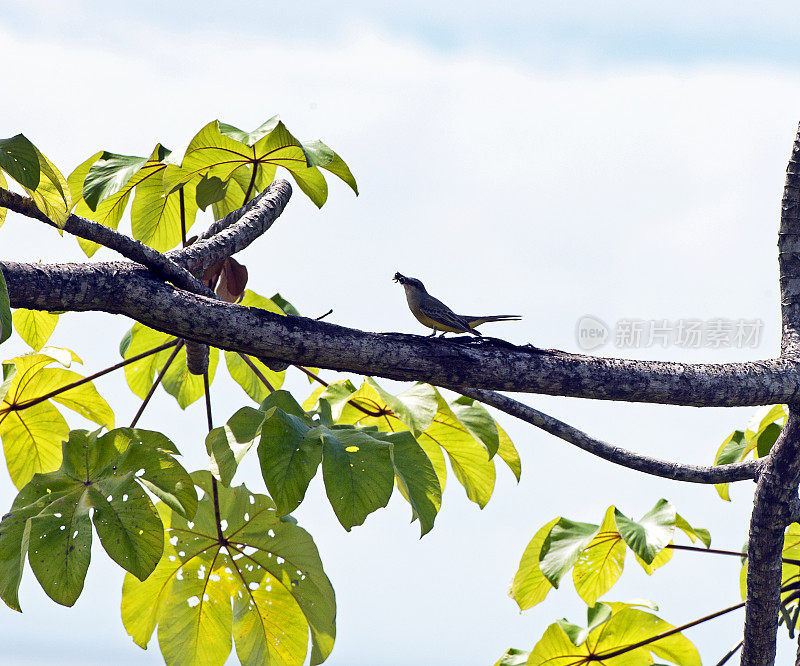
(766, 438)
(626, 627)
(50, 521)
(209, 191)
(249, 138)
(530, 586)
(468, 457)
(416, 478)
(562, 547)
(225, 152)
(358, 473)
(478, 421)
(229, 444)
(263, 587)
(600, 564)
(285, 305)
(52, 195)
(597, 615)
(513, 657)
(693, 532)
(5, 309)
(651, 534)
(19, 159)
(508, 453)
(318, 154)
(109, 211)
(289, 457)
(32, 435)
(155, 213)
(732, 450)
(245, 377)
(35, 326)
(109, 175)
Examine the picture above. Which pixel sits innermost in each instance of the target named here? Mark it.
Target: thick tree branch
(120, 288)
(129, 248)
(235, 231)
(778, 481)
(615, 454)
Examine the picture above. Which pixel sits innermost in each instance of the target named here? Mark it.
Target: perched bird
(431, 312)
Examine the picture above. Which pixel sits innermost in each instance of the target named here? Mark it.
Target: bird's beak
(398, 278)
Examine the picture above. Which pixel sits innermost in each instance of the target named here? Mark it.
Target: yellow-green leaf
(35, 326)
(530, 586)
(600, 564)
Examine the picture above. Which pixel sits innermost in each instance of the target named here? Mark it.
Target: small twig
(615, 454)
(322, 316)
(159, 264)
(153, 388)
(257, 372)
(35, 401)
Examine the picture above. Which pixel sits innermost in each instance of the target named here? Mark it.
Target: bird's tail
(477, 321)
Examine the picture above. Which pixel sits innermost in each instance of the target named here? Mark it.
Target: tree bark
(453, 362)
(776, 490)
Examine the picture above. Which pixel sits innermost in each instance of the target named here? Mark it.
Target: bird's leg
(434, 333)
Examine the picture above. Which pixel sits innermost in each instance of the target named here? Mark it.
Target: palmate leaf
(178, 381)
(597, 553)
(247, 161)
(261, 586)
(35, 326)
(436, 426)
(359, 464)
(32, 435)
(625, 627)
(50, 520)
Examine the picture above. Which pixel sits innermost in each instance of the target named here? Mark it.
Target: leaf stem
(183, 217)
(664, 634)
(257, 372)
(35, 401)
(696, 549)
(161, 374)
(252, 183)
(727, 657)
(214, 487)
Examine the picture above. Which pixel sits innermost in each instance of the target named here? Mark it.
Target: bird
(431, 312)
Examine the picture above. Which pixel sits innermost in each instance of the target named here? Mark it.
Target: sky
(554, 160)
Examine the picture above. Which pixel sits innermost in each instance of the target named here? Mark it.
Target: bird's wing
(439, 312)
